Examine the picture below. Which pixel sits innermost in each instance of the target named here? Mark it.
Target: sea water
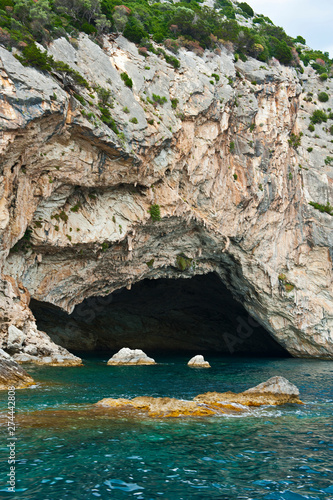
(67, 450)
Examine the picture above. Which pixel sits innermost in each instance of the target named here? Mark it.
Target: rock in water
(128, 356)
(198, 362)
(275, 391)
(275, 385)
(12, 374)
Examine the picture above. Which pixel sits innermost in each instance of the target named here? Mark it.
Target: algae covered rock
(208, 404)
(128, 356)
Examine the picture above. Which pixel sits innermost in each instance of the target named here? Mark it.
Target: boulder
(12, 374)
(128, 356)
(275, 385)
(15, 339)
(275, 391)
(198, 362)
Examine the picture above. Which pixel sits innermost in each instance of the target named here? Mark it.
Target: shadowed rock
(198, 362)
(128, 356)
(12, 374)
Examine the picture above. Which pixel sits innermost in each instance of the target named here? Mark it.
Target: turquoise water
(67, 450)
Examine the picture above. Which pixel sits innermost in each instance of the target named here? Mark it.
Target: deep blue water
(65, 450)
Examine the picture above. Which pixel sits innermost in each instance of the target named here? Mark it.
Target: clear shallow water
(67, 451)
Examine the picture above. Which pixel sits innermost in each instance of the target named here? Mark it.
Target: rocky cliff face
(218, 157)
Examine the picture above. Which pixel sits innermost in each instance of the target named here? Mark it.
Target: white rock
(128, 356)
(198, 362)
(4, 354)
(275, 385)
(15, 338)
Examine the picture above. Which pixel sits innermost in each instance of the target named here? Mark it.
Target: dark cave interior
(197, 315)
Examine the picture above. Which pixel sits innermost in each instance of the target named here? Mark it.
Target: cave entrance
(197, 315)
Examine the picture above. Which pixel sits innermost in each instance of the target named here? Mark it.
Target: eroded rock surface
(128, 356)
(232, 185)
(210, 403)
(12, 374)
(198, 361)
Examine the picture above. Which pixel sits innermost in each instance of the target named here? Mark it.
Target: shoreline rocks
(210, 403)
(12, 374)
(129, 357)
(198, 362)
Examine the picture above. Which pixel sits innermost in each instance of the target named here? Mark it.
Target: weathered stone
(198, 362)
(15, 339)
(210, 403)
(232, 185)
(128, 356)
(12, 374)
(275, 385)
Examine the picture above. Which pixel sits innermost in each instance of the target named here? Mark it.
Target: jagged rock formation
(275, 391)
(12, 374)
(232, 184)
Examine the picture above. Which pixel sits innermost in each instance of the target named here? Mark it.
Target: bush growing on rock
(323, 97)
(318, 116)
(127, 80)
(155, 212)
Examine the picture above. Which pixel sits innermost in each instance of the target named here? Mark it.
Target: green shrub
(134, 30)
(323, 97)
(174, 103)
(295, 140)
(183, 263)
(246, 8)
(252, 127)
(328, 160)
(155, 212)
(126, 110)
(311, 127)
(63, 216)
(127, 80)
(323, 77)
(235, 176)
(232, 147)
(309, 150)
(318, 116)
(80, 99)
(151, 121)
(159, 100)
(76, 207)
(322, 208)
(134, 120)
(103, 94)
(33, 56)
(107, 119)
(217, 78)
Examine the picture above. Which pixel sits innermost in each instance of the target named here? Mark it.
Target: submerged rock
(210, 403)
(128, 356)
(12, 374)
(198, 362)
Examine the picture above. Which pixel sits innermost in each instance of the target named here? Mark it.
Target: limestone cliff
(222, 156)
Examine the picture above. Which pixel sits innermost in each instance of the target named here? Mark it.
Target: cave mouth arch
(170, 316)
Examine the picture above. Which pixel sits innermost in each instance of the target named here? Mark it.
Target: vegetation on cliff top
(187, 23)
